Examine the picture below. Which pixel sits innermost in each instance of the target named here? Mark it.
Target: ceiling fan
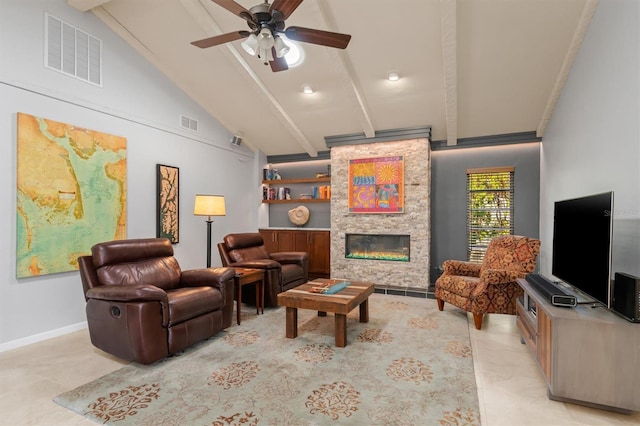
(266, 23)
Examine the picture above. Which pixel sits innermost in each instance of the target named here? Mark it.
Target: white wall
(136, 102)
(592, 144)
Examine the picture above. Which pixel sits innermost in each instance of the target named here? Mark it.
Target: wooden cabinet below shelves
(315, 242)
(270, 240)
(319, 248)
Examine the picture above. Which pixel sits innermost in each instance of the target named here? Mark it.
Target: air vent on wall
(188, 123)
(72, 51)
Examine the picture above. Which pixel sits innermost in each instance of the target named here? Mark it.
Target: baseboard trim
(18, 343)
(423, 293)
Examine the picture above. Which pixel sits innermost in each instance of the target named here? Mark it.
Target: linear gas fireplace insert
(378, 247)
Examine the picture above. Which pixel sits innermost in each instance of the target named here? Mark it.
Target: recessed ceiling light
(393, 76)
(307, 89)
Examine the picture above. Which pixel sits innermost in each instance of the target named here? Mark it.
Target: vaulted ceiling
(468, 68)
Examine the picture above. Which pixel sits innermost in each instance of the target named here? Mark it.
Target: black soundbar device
(555, 295)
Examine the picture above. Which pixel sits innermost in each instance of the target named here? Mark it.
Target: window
(489, 208)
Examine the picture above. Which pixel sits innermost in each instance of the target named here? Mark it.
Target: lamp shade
(209, 205)
(281, 48)
(265, 39)
(250, 45)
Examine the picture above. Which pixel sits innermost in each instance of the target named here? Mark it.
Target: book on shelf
(322, 192)
(330, 287)
(281, 193)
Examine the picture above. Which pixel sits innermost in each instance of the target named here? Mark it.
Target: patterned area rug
(409, 365)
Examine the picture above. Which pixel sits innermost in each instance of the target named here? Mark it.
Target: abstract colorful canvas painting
(376, 185)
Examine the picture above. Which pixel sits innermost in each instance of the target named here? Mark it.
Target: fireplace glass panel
(377, 247)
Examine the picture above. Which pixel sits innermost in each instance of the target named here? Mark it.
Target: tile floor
(510, 388)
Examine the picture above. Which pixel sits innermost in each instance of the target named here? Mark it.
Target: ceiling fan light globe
(281, 47)
(250, 45)
(265, 39)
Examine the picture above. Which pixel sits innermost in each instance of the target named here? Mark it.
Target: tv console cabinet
(588, 356)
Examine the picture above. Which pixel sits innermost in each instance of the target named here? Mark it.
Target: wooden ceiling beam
(210, 26)
(449, 18)
(86, 5)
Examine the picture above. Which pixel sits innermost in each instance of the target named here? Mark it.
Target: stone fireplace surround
(410, 278)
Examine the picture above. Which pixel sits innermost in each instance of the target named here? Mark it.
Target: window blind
(490, 207)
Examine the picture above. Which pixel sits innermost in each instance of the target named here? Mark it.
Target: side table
(246, 276)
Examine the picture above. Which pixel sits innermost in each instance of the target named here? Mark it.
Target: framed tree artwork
(168, 203)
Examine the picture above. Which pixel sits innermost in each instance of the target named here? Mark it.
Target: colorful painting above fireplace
(376, 185)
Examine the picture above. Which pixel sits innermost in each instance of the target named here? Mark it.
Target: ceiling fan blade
(324, 38)
(278, 64)
(286, 7)
(232, 7)
(238, 10)
(220, 39)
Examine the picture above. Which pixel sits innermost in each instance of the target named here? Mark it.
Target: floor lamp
(209, 205)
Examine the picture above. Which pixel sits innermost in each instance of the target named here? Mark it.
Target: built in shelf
(280, 182)
(298, 200)
(292, 181)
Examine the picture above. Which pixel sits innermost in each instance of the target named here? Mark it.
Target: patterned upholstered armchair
(489, 287)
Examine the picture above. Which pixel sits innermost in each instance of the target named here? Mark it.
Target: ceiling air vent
(188, 123)
(72, 51)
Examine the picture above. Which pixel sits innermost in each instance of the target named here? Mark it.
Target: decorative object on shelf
(270, 174)
(299, 215)
(168, 202)
(376, 185)
(209, 205)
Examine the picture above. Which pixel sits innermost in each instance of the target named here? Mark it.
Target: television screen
(582, 244)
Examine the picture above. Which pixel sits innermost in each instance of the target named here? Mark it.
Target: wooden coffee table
(341, 303)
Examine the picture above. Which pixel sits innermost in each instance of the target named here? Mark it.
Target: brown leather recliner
(141, 307)
(282, 270)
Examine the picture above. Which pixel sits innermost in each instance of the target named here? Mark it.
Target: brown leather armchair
(142, 307)
(282, 271)
(489, 287)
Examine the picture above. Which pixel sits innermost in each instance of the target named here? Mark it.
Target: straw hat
(299, 215)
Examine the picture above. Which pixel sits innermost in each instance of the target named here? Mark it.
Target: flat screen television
(582, 237)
